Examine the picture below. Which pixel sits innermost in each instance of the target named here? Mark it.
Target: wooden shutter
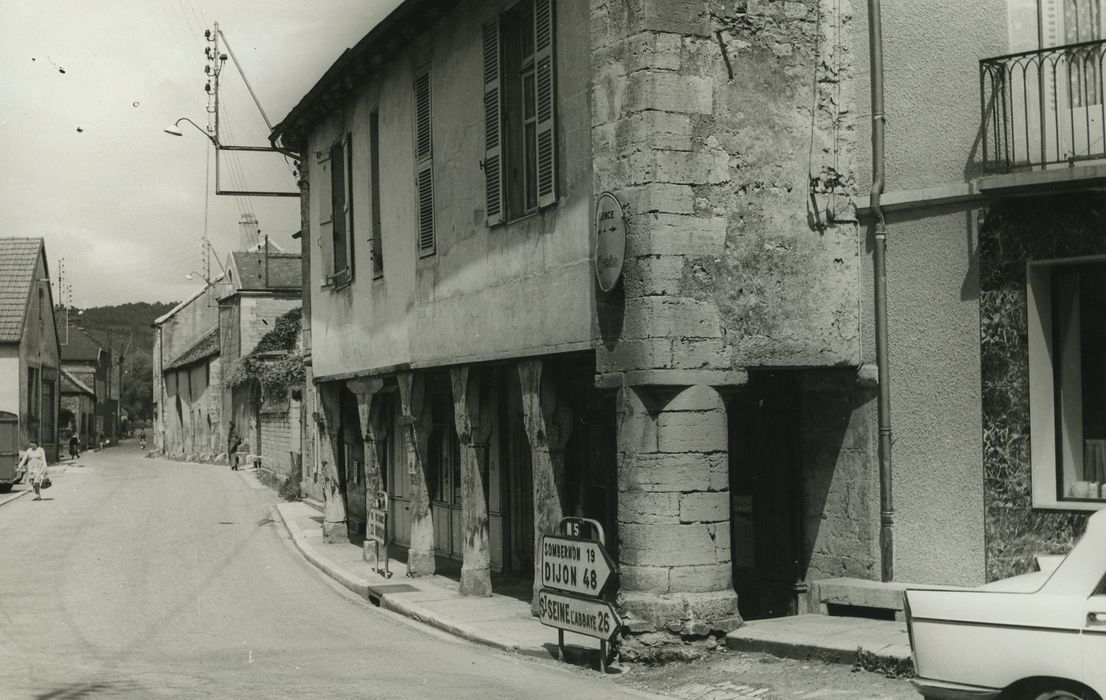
(493, 150)
(321, 179)
(424, 186)
(338, 207)
(349, 205)
(424, 165)
(545, 79)
(422, 117)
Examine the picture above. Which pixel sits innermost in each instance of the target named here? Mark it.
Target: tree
(138, 390)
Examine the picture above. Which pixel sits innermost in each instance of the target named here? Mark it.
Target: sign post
(377, 530)
(575, 574)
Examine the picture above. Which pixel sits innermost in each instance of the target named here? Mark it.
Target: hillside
(125, 327)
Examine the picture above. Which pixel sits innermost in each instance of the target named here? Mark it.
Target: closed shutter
(321, 178)
(425, 193)
(424, 165)
(493, 150)
(546, 99)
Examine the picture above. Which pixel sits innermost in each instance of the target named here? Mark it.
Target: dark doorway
(766, 494)
(351, 464)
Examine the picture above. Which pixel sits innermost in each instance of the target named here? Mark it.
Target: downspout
(879, 260)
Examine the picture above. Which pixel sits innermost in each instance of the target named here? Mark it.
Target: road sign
(575, 565)
(594, 618)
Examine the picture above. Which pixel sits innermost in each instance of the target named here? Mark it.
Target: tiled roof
(72, 385)
(202, 349)
(18, 260)
(81, 346)
(284, 270)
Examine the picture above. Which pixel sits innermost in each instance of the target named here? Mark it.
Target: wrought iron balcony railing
(1043, 107)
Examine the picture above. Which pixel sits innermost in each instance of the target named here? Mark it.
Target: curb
(826, 652)
(396, 605)
(11, 496)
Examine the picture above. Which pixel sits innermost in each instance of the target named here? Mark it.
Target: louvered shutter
(321, 179)
(424, 186)
(546, 102)
(493, 150)
(424, 165)
(338, 207)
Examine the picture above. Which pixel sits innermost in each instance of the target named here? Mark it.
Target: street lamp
(189, 276)
(174, 130)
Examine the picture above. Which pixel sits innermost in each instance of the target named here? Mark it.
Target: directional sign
(594, 618)
(575, 565)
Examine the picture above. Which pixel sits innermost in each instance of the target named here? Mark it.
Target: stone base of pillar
(476, 582)
(691, 614)
(335, 532)
(420, 563)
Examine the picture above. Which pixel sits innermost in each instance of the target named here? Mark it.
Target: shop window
(520, 145)
(1067, 381)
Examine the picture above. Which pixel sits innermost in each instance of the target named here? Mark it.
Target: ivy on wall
(275, 364)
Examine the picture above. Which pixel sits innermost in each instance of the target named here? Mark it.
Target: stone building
(716, 409)
(97, 367)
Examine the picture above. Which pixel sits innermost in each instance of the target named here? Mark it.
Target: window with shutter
(520, 111)
(325, 240)
(493, 180)
(342, 209)
(374, 193)
(424, 165)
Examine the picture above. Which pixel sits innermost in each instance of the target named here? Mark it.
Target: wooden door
(766, 494)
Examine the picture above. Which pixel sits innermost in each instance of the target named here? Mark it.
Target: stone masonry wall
(276, 441)
(742, 249)
(1013, 232)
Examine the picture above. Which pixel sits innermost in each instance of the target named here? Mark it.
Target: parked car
(1037, 636)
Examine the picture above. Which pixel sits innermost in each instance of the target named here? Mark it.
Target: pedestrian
(74, 445)
(142, 439)
(35, 460)
(233, 441)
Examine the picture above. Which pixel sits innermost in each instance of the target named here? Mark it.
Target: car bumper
(943, 690)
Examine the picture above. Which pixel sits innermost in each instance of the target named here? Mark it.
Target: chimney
(248, 232)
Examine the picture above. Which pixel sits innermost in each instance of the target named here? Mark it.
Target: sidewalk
(505, 623)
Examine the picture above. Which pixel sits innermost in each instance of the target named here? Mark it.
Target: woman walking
(35, 460)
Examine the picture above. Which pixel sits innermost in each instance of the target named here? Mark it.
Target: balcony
(1043, 109)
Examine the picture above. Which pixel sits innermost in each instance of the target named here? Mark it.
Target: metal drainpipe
(879, 260)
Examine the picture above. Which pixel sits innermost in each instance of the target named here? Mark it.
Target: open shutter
(338, 207)
(546, 99)
(348, 189)
(493, 150)
(322, 184)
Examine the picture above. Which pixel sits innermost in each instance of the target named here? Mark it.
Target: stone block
(654, 130)
(692, 431)
(658, 197)
(700, 579)
(705, 167)
(653, 51)
(669, 92)
(650, 507)
(636, 353)
(696, 398)
(686, 613)
(666, 472)
(644, 578)
(719, 471)
(668, 234)
(668, 16)
(654, 275)
(705, 506)
(666, 545)
(670, 317)
(700, 353)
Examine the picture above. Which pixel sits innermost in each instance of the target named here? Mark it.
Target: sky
(86, 89)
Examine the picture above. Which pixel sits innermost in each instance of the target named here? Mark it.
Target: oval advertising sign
(610, 241)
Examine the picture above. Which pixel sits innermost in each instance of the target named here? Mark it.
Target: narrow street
(143, 577)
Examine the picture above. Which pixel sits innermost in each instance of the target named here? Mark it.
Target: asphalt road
(149, 578)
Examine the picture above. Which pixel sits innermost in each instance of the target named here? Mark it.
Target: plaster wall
(190, 323)
(509, 290)
(931, 52)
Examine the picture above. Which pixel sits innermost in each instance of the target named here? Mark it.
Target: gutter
(879, 260)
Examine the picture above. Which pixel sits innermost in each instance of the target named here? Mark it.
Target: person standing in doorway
(233, 441)
(35, 461)
(74, 445)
